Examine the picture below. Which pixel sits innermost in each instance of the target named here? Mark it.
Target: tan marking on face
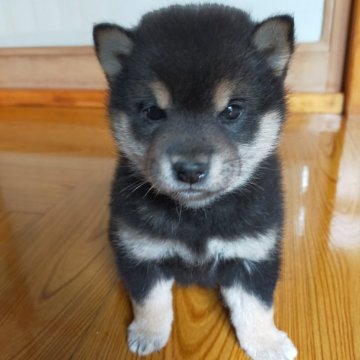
(125, 138)
(264, 143)
(222, 95)
(161, 94)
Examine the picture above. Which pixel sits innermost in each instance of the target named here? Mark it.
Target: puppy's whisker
(132, 188)
(150, 188)
(235, 160)
(179, 212)
(138, 187)
(129, 187)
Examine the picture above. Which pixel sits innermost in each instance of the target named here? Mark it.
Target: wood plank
(36, 129)
(53, 97)
(79, 70)
(325, 103)
(60, 295)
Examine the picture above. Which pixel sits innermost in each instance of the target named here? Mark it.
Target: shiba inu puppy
(196, 105)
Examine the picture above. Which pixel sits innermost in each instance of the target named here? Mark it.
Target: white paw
(278, 346)
(144, 341)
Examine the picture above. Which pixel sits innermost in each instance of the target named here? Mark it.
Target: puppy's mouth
(193, 193)
(194, 197)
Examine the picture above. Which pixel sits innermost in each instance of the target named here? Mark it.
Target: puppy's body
(197, 105)
(203, 245)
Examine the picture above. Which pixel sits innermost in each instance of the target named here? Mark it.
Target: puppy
(197, 104)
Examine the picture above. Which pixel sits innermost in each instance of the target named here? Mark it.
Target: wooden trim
(338, 39)
(53, 97)
(327, 103)
(298, 103)
(48, 51)
(323, 45)
(352, 78)
(318, 67)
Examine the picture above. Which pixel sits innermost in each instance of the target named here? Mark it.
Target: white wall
(69, 22)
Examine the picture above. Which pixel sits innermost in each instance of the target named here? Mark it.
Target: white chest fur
(142, 247)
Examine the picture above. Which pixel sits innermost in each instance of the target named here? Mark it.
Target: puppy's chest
(256, 246)
(193, 251)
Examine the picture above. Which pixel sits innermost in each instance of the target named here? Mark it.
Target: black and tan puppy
(196, 107)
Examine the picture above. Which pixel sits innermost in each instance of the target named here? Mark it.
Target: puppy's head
(196, 96)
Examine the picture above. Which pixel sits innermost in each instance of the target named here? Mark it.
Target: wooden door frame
(352, 67)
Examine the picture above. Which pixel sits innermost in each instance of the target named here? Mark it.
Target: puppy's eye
(232, 112)
(154, 113)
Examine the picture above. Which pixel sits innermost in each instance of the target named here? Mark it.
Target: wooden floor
(60, 297)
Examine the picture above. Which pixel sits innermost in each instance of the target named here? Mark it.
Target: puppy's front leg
(255, 328)
(153, 316)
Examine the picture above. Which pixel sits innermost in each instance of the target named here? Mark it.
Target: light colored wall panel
(69, 22)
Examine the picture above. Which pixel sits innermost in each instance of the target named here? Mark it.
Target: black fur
(207, 44)
(250, 210)
(246, 211)
(191, 49)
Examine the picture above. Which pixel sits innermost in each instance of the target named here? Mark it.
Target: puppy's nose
(190, 172)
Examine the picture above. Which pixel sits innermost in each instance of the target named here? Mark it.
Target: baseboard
(316, 103)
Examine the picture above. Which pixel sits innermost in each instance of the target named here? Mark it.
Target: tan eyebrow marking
(161, 94)
(222, 94)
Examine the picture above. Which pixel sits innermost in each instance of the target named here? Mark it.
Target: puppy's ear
(112, 44)
(274, 38)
